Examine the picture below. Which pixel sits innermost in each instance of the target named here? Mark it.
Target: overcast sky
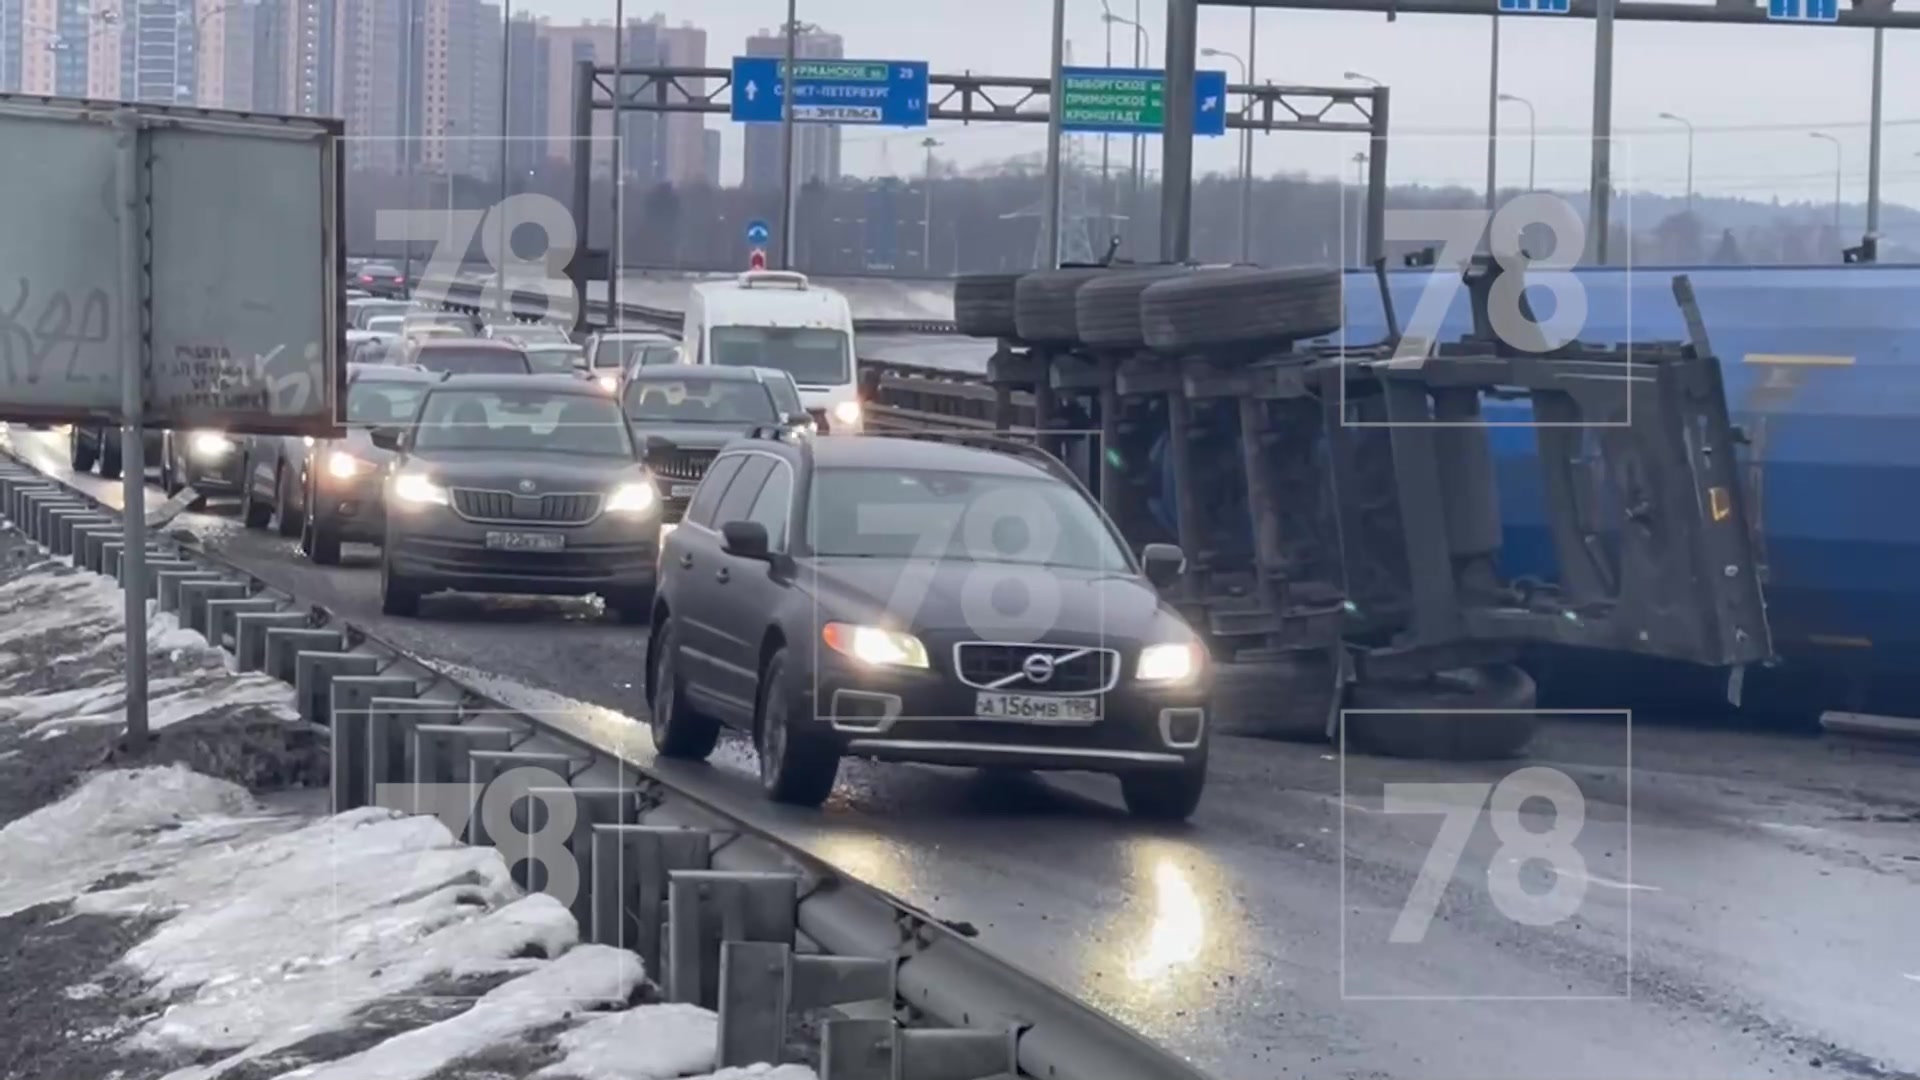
(1753, 93)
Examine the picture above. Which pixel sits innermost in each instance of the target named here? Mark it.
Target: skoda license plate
(527, 541)
(683, 491)
(1037, 708)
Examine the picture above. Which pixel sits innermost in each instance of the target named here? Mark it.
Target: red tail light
(399, 281)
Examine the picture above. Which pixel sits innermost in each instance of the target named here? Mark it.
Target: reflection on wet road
(1742, 905)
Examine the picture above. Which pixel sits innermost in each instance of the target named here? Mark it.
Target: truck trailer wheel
(1107, 309)
(983, 305)
(1044, 307)
(1425, 719)
(1238, 307)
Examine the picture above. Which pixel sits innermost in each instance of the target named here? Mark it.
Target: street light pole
(1873, 142)
(1359, 210)
(1246, 157)
(503, 238)
(1688, 124)
(1533, 139)
(1050, 235)
(1837, 159)
(926, 217)
(1136, 153)
(1493, 118)
(1106, 139)
(616, 311)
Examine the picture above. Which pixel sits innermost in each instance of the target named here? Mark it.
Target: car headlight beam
(875, 645)
(632, 499)
(847, 412)
(210, 444)
(417, 489)
(344, 466)
(1169, 663)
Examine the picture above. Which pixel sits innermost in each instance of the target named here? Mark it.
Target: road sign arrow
(753, 90)
(1209, 103)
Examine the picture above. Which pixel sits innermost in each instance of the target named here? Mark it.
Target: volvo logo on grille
(526, 487)
(1038, 668)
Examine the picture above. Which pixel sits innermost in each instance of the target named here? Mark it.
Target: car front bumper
(212, 473)
(441, 550)
(929, 717)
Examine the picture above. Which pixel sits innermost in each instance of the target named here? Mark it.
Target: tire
(1168, 794)
(253, 513)
(286, 522)
(678, 731)
(1107, 309)
(169, 486)
(398, 595)
(109, 457)
(318, 543)
(80, 456)
(1507, 693)
(796, 767)
(1242, 307)
(1044, 309)
(633, 607)
(983, 305)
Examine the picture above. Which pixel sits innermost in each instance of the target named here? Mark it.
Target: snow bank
(117, 822)
(652, 1042)
(588, 977)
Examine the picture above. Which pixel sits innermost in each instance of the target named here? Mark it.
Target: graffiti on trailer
(208, 377)
(36, 341)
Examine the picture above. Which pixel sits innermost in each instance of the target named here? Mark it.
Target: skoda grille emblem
(526, 487)
(1038, 668)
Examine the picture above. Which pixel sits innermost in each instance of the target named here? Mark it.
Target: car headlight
(417, 489)
(344, 466)
(847, 412)
(210, 444)
(608, 383)
(875, 645)
(632, 499)
(1176, 662)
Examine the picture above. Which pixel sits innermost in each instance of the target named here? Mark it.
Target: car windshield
(533, 333)
(552, 359)
(440, 318)
(491, 360)
(380, 402)
(621, 354)
(878, 513)
(537, 421)
(365, 313)
(386, 324)
(379, 270)
(699, 401)
(813, 356)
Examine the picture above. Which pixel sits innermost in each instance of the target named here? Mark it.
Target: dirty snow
(588, 977)
(652, 1042)
(762, 1072)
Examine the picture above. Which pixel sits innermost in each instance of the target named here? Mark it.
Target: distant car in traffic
(505, 484)
(457, 322)
(527, 333)
(373, 347)
(469, 356)
(681, 416)
(611, 353)
(556, 358)
(361, 313)
(341, 480)
(381, 279)
(836, 596)
(207, 460)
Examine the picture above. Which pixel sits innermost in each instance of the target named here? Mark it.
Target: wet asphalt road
(1739, 904)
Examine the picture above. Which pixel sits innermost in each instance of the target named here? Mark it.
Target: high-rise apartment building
(683, 142)
(816, 147)
(159, 50)
(567, 46)
(46, 45)
(374, 44)
(529, 82)
(228, 49)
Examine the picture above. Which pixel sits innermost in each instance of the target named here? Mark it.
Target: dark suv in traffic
(517, 484)
(682, 414)
(910, 599)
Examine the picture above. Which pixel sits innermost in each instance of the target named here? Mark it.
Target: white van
(776, 319)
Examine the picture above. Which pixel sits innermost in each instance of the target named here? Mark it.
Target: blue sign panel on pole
(1824, 11)
(884, 93)
(1533, 7)
(758, 233)
(1132, 101)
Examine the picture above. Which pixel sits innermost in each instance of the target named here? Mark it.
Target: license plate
(526, 541)
(1037, 708)
(683, 491)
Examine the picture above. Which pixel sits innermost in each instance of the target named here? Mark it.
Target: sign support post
(133, 456)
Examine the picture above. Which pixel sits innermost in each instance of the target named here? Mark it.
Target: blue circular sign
(758, 232)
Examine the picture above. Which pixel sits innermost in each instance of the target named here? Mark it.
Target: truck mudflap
(1639, 490)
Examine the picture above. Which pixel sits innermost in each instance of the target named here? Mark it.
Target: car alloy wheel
(796, 767)
(678, 731)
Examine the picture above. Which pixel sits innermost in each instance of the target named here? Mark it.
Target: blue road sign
(1132, 101)
(1533, 7)
(886, 93)
(758, 233)
(1823, 11)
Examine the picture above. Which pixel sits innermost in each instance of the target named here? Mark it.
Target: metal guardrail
(723, 914)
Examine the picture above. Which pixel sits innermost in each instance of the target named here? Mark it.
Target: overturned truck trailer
(1338, 504)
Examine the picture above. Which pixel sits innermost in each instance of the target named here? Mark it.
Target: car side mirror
(745, 539)
(387, 438)
(797, 419)
(1164, 564)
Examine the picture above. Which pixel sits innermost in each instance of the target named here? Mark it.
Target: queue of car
(823, 594)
